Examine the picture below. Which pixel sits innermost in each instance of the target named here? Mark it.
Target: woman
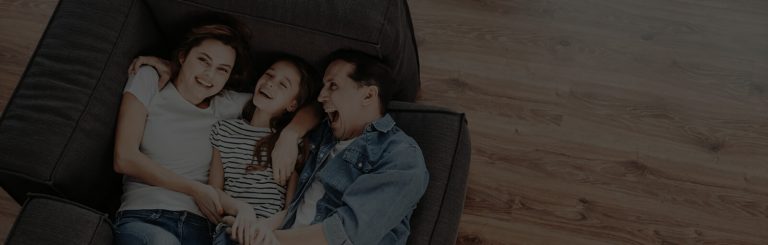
(161, 142)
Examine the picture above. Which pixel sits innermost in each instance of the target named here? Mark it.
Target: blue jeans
(220, 237)
(155, 226)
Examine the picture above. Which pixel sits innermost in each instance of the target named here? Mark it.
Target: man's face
(343, 100)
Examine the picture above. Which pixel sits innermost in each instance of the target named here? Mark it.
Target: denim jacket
(371, 187)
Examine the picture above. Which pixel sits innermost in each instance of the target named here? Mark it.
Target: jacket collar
(383, 124)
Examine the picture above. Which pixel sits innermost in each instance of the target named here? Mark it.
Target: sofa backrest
(312, 30)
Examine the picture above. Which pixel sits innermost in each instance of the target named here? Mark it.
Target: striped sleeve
(215, 136)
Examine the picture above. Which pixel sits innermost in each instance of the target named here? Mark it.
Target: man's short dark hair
(369, 71)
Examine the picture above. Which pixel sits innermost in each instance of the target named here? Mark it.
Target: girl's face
(205, 69)
(277, 88)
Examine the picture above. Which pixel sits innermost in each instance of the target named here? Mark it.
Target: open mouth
(333, 115)
(266, 95)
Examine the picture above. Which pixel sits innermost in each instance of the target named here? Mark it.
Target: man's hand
(241, 228)
(284, 156)
(261, 233)
(207, 200)
(162, 66)
(265, 232)
(266, 237)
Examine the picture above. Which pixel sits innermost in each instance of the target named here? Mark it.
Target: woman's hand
(162, 66)
(207, 200)
(284, 156)
(242, 230)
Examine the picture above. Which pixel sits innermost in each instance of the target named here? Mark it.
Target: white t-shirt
(175, 137)
(308, 207)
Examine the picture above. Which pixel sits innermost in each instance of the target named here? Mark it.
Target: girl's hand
(284, 156)
(162, 66)
(242, 230)
(207, 200)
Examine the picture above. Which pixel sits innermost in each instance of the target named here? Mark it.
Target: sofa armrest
(51, 220)
(58, 127)
(444, 139)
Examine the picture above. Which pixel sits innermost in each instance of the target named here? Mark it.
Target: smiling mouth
(201, 82)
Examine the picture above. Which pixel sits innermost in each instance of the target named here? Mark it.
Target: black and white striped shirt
(235, 139)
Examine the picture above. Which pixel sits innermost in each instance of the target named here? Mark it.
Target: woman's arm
(130, 161)
(285, 153)
(232, 206)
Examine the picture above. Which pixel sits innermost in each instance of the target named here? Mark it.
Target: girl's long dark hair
(308, 89)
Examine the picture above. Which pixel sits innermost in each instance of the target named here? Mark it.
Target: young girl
(241, 165)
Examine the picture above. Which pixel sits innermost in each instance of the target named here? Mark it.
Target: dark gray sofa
(57, 131)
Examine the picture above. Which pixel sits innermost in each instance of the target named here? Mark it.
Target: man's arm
(290, 192)
(310, 234)
(374, 203)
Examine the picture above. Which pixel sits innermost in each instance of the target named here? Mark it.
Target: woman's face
(205, 69)
(277, 88)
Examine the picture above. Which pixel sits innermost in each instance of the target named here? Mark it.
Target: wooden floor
(592, 121)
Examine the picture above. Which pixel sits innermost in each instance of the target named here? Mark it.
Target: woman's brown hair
(230, 33)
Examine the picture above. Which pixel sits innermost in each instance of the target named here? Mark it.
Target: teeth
(265, 94)
(204, 83)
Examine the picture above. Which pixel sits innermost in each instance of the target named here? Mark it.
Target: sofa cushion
(50, 220)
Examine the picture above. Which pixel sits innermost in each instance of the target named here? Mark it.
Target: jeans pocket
(146, 216)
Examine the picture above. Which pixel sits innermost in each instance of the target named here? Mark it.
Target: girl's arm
(216, 173)
(130, 161)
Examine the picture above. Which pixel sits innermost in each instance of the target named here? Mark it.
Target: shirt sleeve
(143, 85)
(215, 136)
(229, 104)
(400, 182)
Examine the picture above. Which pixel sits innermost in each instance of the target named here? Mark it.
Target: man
(364, 175)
